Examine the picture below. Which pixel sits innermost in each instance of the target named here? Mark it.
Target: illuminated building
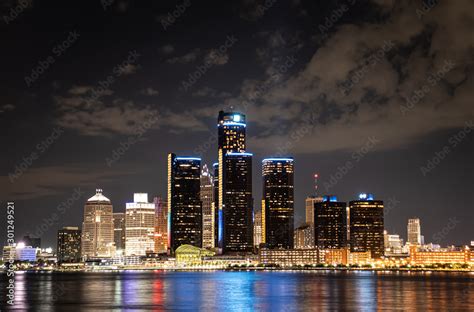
(257, 229)
(428, 257)
(215, 180)
(330, 223)
(290, 257)
(25, 253)
(208, 208)
(190, 255)
(304, 237)
(309, 205)
(345, 256)
(393, 243)
(235, 202)
(139, 226)
(98, 227)
(161, 225)
(278, 197)
(69, 245)
(119, 231)
(184, 202)
(367, 225)
(414, 231)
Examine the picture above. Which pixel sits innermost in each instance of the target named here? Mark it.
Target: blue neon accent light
(330, 198)
(220, 229)
(366, 196)
(215, 164)
(188, 158)
(278, 159)
(231, 123)
(238, 154)
(237, 118)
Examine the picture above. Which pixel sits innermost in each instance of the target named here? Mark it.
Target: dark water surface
(241, 291)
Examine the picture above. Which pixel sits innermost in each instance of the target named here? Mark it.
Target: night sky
(375, 96)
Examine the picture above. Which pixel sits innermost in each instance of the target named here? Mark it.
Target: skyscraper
(278, 201)
(98, 228)
(139, 226)
(119, 231)
(309, 205)
(69, 245)
(304, 237)
(330, 223)
(367, 225)
(215, 180)
(235, 202)
(161, 225)
(208, 208)
(184, 202)
(414, 231)
(257, 229)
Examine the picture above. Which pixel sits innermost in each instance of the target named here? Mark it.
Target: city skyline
(267, 57)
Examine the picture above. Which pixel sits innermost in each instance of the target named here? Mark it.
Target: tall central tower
(235, 202)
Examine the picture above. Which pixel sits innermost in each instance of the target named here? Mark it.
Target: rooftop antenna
(316, 176)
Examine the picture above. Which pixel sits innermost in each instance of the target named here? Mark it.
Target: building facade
(367, 225)
(184, 202)
(278, 201)
(119, 231)
(414, 231)
(161, 225)
(304, 237)
(208, 208)
(235, 201)
(257, 229)
(330, 223)
(98, 228)
(69, 245)
(139, 226)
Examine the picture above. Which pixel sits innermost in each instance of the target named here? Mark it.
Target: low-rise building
(427, 257)
(290, 257)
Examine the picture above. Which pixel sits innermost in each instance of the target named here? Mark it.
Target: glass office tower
(330, 223)
(278, 198)
(184, 202)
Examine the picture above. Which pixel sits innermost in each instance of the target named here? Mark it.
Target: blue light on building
(278, 159)
(330, 198)
(366, 196)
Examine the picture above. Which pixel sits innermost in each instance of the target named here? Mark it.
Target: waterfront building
(139, 226)
(184, 202)
(366, 227)
(393, 244)
(161, 225)
(330, 223)
(278, 202)
(119, 232)
(208, 208)
(290, 257)
(69, 245)
(346, 257)
(235, 201)
(420, 256)
(304, 237)
(414, 231)
(97, 228)
(215, 168)
(190, 255)
(309, 208)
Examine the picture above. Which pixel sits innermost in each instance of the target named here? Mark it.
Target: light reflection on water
(240, 291)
